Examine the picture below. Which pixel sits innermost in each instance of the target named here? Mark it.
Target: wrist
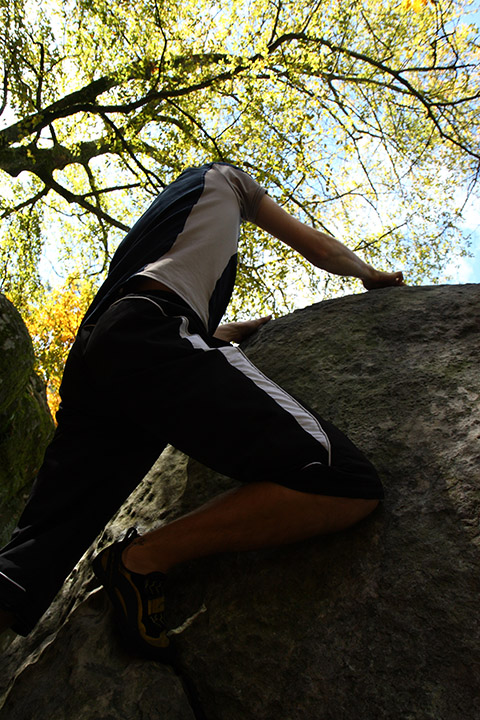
(370, 278)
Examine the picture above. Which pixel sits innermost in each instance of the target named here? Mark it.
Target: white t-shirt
(204, 248)
(187, 240)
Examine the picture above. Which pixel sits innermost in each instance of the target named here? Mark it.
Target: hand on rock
(380, 279)
(238, 331)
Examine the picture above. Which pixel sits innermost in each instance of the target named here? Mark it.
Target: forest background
(362, 119)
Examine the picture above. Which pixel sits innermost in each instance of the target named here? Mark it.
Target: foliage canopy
(53, 325)
(361, 117)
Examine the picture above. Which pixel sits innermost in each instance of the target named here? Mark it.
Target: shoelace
(154, 584)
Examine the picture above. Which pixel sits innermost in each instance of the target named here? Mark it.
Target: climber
(151, 366)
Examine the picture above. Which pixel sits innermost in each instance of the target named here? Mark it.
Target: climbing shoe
(138, 601)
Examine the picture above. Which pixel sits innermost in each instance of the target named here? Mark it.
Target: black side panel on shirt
(223, 288)
(151, 236)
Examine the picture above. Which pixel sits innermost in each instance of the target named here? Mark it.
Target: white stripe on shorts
(239, 360)
(13, 582)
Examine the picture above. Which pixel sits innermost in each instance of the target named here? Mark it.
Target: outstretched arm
(319, 248)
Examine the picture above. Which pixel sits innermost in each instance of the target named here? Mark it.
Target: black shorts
(151, 356)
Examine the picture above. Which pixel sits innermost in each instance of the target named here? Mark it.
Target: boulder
(26, 425)
(378, 622)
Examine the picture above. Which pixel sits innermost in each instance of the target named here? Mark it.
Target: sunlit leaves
(359, 117)
(53, 323)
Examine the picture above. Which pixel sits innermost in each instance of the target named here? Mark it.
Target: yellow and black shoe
(138, 600)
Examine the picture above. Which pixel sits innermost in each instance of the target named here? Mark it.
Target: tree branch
(148, 173)
(80, 200)
(31, 201)
(115, 188)
(200, 127)
(275, 22)
(31, 158)
(5, 91)
(364, 245)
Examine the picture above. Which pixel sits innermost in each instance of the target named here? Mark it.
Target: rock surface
(22, 406)
(379, 622)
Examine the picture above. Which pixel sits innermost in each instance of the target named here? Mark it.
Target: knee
(361, 508)
(368, 505)
(346, 512)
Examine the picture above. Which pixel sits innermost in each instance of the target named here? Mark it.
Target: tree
(53, 325)
(361, 116)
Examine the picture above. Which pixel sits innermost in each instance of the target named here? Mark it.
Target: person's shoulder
(246, 189)
(236, 175)
(227, 168)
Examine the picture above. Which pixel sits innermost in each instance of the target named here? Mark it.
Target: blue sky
(468, 270)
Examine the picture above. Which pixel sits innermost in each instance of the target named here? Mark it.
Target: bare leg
(253, 516)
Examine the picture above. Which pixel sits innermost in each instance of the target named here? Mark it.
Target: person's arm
(319, 248)
(238, 331)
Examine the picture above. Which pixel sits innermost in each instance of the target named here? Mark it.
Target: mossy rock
(26, 425)
(16, 355)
